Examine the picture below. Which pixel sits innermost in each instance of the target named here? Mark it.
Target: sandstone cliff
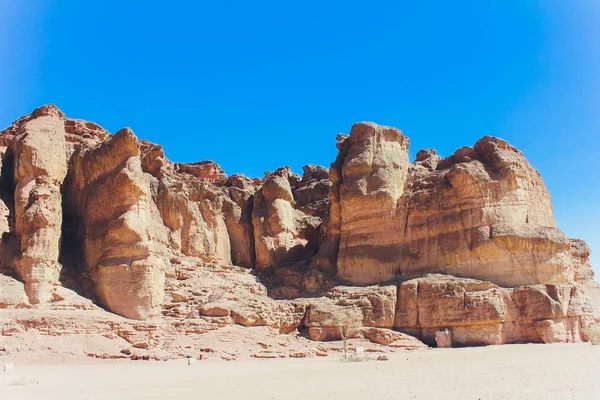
(466, 243)
(482, 213)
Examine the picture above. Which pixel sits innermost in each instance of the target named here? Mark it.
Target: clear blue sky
(257, 85)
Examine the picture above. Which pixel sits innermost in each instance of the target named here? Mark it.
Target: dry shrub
(354, 357)
(349, 323)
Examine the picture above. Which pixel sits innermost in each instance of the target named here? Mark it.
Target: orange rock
(299, 354)
(111, 197)
(388, 336)
(40, 166)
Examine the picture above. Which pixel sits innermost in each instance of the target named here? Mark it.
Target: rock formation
(481, 213)
(40, 166)
(110, 196)
(286, 216)
(463, 248)
(479, 312)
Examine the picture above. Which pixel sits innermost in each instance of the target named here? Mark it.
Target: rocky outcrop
(479, 313)
(194, 205)
(463, 249)
(482, 207)
(111, 197)
(481, 213)
(286, 216)
(192, 210)
(374, 305)
(40, 166)
(238, 218)
(368, 180)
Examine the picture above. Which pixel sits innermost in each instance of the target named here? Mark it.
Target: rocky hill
(104, 238)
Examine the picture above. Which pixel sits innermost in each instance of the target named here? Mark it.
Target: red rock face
(463, 250)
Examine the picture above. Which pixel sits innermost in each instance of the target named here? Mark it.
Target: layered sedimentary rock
(368, 178)
(482, 213)
(479, 312)
(374, 306)
(462, 248)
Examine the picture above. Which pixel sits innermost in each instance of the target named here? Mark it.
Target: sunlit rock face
(40, 166)
(481, 313)
(463, 249)
(111, 196)
(481, 213)
(368, 180)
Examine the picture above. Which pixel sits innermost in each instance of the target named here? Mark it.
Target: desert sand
(524, 371)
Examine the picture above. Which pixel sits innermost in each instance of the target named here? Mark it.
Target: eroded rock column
(368, 179)
(39, 171)
(121, 226)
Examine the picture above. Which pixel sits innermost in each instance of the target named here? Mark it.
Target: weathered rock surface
(287, 214)
(368, 180)
(40, 166)
(478, 312)
(481, 213)
(374, 306)
(464, 245)
(238, 218)
(111, 197)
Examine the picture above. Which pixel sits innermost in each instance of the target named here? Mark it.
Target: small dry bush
(354, 357)
(593, 334)
(349, 324)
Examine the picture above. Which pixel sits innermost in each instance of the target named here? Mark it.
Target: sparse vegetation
(354, 357)
(349, 323)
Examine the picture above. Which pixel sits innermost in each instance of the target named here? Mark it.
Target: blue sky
(257, 85)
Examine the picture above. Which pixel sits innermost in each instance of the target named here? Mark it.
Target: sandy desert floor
(557, 371)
